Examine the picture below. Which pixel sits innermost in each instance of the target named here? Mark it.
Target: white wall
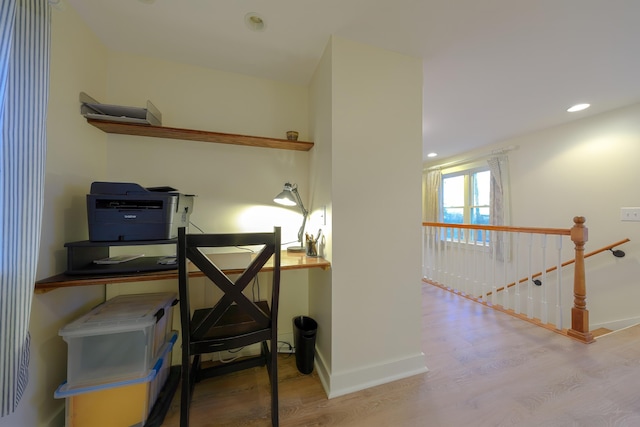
(586, 168)
(321, 183)
(375, 158)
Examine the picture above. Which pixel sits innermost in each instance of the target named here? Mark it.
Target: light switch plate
(629, 214)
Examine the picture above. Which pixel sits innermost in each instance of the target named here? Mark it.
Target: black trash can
(304, 341)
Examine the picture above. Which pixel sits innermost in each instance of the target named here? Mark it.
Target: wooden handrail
(535, 230)
(564, 264)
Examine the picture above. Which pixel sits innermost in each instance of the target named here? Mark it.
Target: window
(466, 199)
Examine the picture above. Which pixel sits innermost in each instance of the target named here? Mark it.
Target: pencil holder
(312, 247)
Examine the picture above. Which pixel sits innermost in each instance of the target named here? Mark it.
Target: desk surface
(289, 261)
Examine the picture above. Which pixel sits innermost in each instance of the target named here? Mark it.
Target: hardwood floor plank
(486, 368)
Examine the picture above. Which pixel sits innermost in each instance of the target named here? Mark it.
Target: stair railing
(566, 263)
(473, 260)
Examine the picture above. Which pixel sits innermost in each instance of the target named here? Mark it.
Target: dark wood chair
(235, 320)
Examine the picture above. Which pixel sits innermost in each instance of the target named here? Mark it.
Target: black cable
(285, 344)
(254, 286)
(199, 229)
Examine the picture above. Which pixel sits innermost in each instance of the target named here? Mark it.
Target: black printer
(122, 211)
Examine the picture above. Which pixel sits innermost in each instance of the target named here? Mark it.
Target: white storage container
(123, 403)
(120, 338)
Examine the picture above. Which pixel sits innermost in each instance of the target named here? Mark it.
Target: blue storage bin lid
(64, 390)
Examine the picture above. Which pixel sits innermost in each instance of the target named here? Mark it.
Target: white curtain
(499, 194)
(24, 88)
(431, 195)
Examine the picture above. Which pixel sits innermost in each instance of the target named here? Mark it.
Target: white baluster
(516, 279)
(494, 255)
(504, 237)
(485, 243)
(438, 254)
(530, 281)
(445, 258)
(467, 261)
(559, 283)
(544, 305)
(459, 263)
(473, 267)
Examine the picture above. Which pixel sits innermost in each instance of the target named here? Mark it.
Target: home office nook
(120, 353)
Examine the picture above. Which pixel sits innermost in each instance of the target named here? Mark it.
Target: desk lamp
(291, 197)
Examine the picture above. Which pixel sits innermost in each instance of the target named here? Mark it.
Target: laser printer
(123, 211)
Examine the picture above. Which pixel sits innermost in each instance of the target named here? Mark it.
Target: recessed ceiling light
(578, 107)
(254, 22)
(432, 154)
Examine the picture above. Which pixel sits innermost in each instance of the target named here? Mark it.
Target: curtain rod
(470, 159)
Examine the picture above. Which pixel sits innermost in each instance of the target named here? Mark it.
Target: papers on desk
(118, 259)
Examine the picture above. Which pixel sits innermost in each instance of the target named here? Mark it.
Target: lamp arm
(304, 214)
(299, 200)
(301, 231)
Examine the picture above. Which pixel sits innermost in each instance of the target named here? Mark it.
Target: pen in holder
(312, 244)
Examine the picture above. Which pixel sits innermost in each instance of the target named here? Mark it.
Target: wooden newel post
(579, 313)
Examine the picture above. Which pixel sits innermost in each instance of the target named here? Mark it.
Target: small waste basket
(304, 341)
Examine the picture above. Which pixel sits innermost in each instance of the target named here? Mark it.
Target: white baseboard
(368, 376)
(616, 324)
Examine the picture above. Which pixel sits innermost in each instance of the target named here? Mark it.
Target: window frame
(467, 171)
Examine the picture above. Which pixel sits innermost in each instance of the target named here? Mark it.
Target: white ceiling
(493, 69)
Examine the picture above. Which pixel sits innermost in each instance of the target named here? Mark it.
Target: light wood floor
(485, 369)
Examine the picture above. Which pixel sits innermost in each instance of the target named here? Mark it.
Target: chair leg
(195, 372)
(185, 394)
(272, 364)
(190, 371)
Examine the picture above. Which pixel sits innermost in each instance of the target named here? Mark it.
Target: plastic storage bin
(118, 339)
(123, 403)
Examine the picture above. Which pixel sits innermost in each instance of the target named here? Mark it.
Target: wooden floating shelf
(198, 135)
